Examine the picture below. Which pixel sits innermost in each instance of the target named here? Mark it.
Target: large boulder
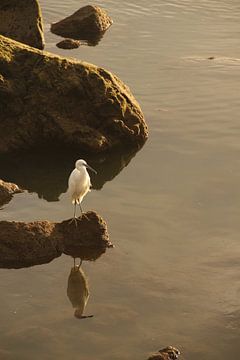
(25, 244)
(88, 23)
(7, 190)
(22, 21)
(47, 99)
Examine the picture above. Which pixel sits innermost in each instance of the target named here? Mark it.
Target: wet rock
(69, 44)
(47, 99)
(22, 21)
(26, 244)
(168, 353)
(88, 240)
(7, 190)
(86, 23)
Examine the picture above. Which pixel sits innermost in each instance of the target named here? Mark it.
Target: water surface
(172, 212)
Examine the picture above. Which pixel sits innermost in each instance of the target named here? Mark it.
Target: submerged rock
(22, 21)
(48, 99)
(69, 44)
(7, 190)
(26, 244)
(86, 23)
(168, 353)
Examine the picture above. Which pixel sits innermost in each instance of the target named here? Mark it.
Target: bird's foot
(85, 216)
(75, 221)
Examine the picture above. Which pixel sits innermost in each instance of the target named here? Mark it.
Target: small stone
(69, 44)
(168, 353)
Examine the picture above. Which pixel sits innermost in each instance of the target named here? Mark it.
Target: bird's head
(82, 163)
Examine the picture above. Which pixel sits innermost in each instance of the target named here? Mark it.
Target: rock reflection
(78, 291)
(50, 167)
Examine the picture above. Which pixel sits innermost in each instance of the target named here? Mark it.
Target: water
(172, 213)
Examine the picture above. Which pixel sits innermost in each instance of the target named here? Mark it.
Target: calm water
(172, 213)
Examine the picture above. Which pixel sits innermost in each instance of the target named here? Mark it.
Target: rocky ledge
(26, 244)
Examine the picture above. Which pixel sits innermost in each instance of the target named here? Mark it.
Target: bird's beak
(89, 167)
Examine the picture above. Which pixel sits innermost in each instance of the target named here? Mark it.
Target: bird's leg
(82, 213)
(80, 263)
(80, 207)
(74, 215)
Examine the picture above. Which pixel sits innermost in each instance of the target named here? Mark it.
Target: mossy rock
(45, 98)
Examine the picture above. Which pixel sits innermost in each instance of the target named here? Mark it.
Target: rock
(168, 353)
(88, 240)
(7, 190)
(46, 99)
(69, 44)
(86, 23)
(26, 244)
(22, 21)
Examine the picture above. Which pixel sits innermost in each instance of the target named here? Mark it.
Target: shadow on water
(46, 171)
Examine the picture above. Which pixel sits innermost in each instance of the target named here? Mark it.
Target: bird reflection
(78, 290)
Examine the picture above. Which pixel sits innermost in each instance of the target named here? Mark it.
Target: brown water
(172, 213)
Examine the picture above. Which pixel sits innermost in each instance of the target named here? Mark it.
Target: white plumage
(79, 183)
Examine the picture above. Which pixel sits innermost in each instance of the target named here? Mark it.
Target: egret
(79, 184)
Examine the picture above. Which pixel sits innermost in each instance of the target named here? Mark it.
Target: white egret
(79, 184)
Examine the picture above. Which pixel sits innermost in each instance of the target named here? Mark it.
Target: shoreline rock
(7, 190)
(39, 242)
(22, 21)
(48, 99)
(85, 24)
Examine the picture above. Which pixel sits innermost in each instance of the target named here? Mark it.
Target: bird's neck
(82, 169)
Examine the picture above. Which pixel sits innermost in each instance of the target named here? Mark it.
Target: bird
(79, 184)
